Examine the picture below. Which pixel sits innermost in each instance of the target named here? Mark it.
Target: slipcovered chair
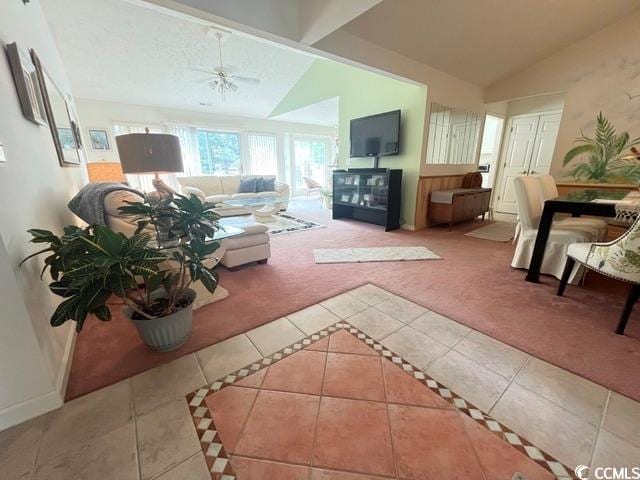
(550, 191)
(619, 259)
(528, 198)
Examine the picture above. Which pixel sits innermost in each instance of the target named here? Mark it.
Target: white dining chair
(528, 199)
(550, 192)
(619, 259)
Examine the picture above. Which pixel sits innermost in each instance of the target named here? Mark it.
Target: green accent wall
(361, 93)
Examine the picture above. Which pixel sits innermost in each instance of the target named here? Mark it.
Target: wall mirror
(454, 136)
(64, 130)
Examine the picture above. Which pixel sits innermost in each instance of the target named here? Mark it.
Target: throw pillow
(269, 185)
(247, 186)
(259, 185)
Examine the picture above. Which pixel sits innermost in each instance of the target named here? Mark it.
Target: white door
(516, 162)
(545, 143)
(529, 151)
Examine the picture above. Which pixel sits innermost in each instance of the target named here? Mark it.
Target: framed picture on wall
(64, 130)
(25, 78)
(99, 138)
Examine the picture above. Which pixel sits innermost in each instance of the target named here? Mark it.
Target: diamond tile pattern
(337, 404)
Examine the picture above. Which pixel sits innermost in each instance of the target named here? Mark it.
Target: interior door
(518, 156)
(545, 143)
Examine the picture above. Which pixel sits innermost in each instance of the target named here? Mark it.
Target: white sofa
(251, 246)
(217, 189)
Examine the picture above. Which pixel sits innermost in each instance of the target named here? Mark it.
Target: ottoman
(252, 246)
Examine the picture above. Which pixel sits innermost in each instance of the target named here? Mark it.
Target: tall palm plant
(605, 155)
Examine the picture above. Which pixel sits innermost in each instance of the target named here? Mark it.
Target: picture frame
(99, 139)
(25, 78)
(64, 129)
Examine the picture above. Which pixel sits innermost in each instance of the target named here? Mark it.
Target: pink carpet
(473, 285)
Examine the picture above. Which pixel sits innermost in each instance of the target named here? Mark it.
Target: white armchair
(619, 259)
(528, 198)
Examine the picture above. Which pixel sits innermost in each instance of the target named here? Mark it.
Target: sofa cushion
(230, 184)
(218, 198)
(247, 185)
(268, 184)
(259, 184)
(209, 184)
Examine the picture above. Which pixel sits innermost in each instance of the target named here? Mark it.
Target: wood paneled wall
(426, 185)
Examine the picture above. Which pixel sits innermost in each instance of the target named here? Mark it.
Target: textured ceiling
(483, 41)
(114, 50)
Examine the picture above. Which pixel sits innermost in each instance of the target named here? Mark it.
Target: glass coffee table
(263, 209)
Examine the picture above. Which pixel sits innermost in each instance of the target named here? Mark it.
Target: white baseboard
(21, 412)
(34, 407)
(406, 226)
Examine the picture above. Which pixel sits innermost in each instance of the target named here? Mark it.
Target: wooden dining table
(598, 203)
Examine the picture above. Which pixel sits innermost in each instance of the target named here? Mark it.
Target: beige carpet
(496, 231)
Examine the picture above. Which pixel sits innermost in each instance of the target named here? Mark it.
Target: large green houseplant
(90, 265)
(605, 156)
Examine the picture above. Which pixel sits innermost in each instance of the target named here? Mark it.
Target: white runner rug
(496, 231)
(374, 254)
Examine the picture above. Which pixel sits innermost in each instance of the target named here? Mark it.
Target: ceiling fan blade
(202, 80)
(251, 80)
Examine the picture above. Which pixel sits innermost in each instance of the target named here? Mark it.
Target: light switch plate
(2, 157)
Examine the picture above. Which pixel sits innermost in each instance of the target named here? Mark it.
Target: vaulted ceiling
(483, 41)
(123, 51)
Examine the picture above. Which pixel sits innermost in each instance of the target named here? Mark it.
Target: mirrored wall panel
(453, 136)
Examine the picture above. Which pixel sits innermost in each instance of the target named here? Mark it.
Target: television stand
(370, 195)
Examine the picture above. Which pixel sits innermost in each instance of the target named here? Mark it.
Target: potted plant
(89, 265)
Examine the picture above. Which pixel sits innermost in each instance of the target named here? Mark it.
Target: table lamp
(151, 153)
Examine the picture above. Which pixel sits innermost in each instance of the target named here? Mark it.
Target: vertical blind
(263, 154)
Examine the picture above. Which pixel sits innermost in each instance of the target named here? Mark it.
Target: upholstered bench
(457, 205)
(252, 246)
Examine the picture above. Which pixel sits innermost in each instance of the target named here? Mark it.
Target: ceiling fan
(222, 79)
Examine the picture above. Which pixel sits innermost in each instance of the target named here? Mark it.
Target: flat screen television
(376, 135)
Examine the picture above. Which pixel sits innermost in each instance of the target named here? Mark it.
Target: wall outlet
(2, 157)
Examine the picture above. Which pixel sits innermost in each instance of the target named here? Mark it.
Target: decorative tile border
(218, 460)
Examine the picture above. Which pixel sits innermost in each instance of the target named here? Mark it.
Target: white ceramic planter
(167, 333)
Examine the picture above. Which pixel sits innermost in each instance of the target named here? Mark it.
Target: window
(219, 152)
(263, 154)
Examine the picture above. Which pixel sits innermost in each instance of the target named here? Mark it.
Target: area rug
(496, 231)
(287, 223)
(374, 254)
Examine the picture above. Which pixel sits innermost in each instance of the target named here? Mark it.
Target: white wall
(595, 73)
(34, 193)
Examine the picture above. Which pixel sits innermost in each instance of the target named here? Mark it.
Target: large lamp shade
(149, 153)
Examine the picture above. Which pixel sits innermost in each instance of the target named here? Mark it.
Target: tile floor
(141, 428)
